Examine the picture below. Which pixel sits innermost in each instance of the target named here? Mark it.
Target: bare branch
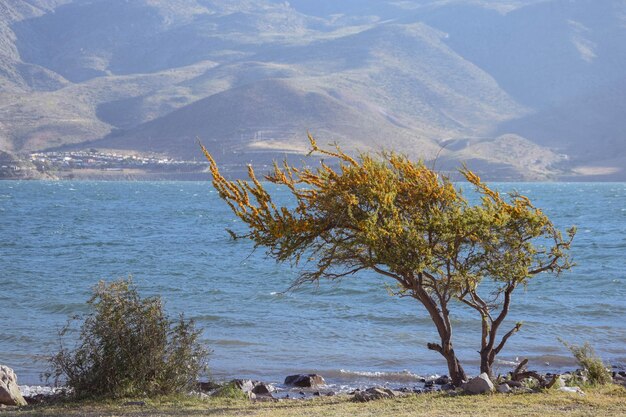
(435, 347)
(506, 337)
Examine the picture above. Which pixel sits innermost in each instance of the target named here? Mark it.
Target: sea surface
(58, 239)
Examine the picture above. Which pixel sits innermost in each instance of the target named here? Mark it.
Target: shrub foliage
(128, 346)
(596, 371)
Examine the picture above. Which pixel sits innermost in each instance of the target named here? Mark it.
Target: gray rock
(9, 390)
(504, 389)
(479, 385)
(305, 380)
(246, 385)
(372, 394)
(443, 380)
(263, 389)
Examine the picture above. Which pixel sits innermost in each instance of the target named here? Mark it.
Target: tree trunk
(489, 351)
(487, 358)
(439, 315)
(457, 374)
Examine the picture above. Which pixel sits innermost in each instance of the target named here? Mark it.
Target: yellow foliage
(404, 221)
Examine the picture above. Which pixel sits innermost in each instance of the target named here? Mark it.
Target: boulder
(263, 389)
(443, 380)
(504, 389)
(305, 380)
(372, 394)
(9, 391)
(479, 385)
(245, 385)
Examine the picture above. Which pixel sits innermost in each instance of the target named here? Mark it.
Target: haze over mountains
(519, 89)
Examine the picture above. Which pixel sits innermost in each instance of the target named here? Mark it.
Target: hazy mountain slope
(565, 60)
(243, 120)
(42, 119)
(87, 39)
(393, 9)
(505, 157)
(544, 53)
(403, 76)
(590, 129)
(521, 88)
(19, 78)
(15, 74)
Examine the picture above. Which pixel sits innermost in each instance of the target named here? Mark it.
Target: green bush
(592, 365)
(128, 346)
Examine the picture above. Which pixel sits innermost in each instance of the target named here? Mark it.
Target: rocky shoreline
(309, 386)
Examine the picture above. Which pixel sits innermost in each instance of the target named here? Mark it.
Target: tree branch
(506, 337)
(495, 325)
(435, 347)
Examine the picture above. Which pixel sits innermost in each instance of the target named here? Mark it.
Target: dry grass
(604, 401)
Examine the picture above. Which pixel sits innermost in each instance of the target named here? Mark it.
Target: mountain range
(517, 89)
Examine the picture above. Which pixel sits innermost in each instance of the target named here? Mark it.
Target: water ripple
(58, 239)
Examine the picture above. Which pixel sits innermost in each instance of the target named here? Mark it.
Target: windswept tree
(409, 224)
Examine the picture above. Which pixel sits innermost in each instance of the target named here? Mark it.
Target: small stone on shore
(375, 393)
(443, 380)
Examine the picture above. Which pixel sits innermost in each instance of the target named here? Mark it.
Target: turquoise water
(57, 239)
